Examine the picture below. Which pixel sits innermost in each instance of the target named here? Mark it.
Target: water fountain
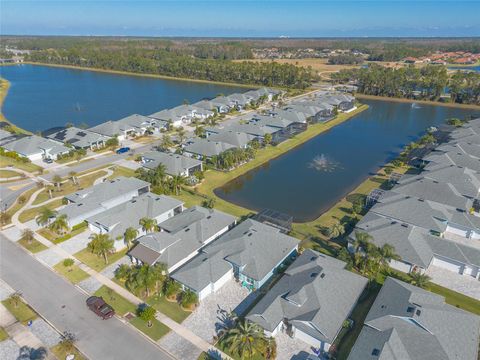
(323, 163)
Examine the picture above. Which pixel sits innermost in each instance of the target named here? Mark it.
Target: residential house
(409, 323)
(293, 116)
(115, 220)
(240, 101)
(86, 203)
(175, 164)
(235, 138)
(311, 301)
(204, 149)
(251, 253)
(342, 101)
(6, 137)
(79, 138)
(181, 237)
(133, 125)
(36, 148)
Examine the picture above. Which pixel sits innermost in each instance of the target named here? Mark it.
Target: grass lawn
(72, 273)
(22, 312)
(17, 206)
(171, 309)
(57, 239)
(32, 213)
(97, 263)
(118, 302)
(121, 171)
(60, 353)
(29, 167)
(69, 187)
(34, 246)
(347, 338)
(156, 332)
(456, 299)
(3, 334)
(6, 174)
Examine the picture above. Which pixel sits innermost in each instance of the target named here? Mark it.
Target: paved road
(8, 197)
(64, 306)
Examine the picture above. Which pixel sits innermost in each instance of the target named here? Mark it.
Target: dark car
(48, 160)
(123, 150)
(100, 307)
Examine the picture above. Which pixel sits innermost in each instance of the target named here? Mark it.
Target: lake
(471, 68)
(311, 178)
(43, 97)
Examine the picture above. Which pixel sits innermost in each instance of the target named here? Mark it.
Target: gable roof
(81, 138)
(175, 164)
(207, 147)
(31, 145)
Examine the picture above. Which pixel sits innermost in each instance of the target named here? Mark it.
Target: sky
(234, 18)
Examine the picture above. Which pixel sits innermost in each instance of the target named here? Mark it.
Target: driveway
(463, 284)
(64, 306)
(288, 348)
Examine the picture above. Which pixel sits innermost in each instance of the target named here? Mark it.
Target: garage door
(445, 264)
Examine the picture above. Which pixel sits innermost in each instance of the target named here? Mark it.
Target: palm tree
(129, 236)
(60, 224)
(146, 278)
(15, 298)
(57, 180)
(28, 235)
(199, 131)
(148, 225)
(73, 177)
(419, 279)
(177, 182)
(50, 189)
(270, 348)
(67, 342)
(181, 134)
(166, 142)
(245, 340)
(337, 230)
(188, 299)
(101, 245)
(45, 216)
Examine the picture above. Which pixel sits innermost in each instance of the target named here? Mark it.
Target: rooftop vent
(313, 275)
(375, 352)
(322, 275)
(418, 312)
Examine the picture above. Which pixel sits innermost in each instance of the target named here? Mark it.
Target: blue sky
(233, 18)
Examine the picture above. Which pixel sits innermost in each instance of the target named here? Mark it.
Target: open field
(7, 174)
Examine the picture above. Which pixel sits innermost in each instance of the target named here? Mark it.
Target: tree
(60, 224)
(28, 235)
(209, 203)
(57, 180)
(122, 272)
(145, 278)
(129, 236)
(357, 207)
(176, 182)
(171, 289)
(246, 339)
(147, 313)
(267, 139)
(199, 131)
(181, 134)
(45, 216)
(269, 350)
(67, 342)
(5, 218)
(15, 298)
(166, 142)
(148, 225)
(101, 245)
(112, 142)
(73, 177)
(188, 299)
(419, 279)
(68, 262)
(337, 230)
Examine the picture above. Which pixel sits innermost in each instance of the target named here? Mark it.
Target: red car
(100, 307)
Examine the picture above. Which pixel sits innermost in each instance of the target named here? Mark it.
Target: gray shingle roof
(237, 139)
(406, 322)
(205, 147)
(31, 145)
(80, 138)
(131, 122)
(315, 290)
(175, 164)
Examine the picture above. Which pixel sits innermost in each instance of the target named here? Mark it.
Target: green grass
(56, 239)
(171, 309)
(22, 312)
(156, 332)
(118, 302)
(121, 171)
(29, 167)
(72, 273)
(456, 299)
(17, 206)
(6, 174)
(32, 213)
(34, 246)
(69, 187)
(61, 354)
(3, 334)
(97, 263)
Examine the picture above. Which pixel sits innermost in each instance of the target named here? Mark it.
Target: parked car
(48, 160)
(100, 307)
(123, 150)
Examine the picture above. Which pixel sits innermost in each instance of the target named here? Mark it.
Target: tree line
(426, 83)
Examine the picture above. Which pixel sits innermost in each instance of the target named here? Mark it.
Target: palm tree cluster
(101, 245)
(56, 223)
(161, 183)
(232, 158)
(144, 280)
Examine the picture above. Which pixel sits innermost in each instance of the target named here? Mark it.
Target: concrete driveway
(463, 284)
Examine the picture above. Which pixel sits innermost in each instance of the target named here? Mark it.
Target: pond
(43, 97)
(311, 178)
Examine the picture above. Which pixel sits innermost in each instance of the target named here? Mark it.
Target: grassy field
(72, 273)
(456, 299)
(3, 334)
(97, 263)
(60, 353)
(34, 246)
(7, 174)
(32, 213)
(17, 206)
(69, 187)
(119, 303)
(171, 309)
(26, 166)
(121, 171)
(156, 332)
(22, 312)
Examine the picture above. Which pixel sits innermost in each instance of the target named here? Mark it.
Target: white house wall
(400, 266)
(222, 281)
(448, 264)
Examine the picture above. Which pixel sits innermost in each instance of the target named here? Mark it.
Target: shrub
(68, 262)
(146, 313)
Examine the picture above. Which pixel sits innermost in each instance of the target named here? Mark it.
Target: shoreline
(3, 96)
(216, 179)
(127, 73)
(411, 101)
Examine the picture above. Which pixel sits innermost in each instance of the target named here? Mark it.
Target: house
(115, 220)
(220, 105)
(293, 116)
(315, 111)
(79, 138)
(235, 138)
(240, 101)
(133, 125)
(409, 323)
(181, 237)
(256, 132)
(36, 148)
(342, 101)
(6, 137)
(263, 94)
(204, 148)
(286, 127)
(311, 301)
(250, 252)
(98, 198)
(175, 164)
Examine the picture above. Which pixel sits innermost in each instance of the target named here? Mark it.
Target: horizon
(236, 19)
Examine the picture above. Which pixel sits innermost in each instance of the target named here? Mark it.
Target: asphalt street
(64, 306)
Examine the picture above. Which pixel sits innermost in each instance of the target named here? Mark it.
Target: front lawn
(57, 239)
(60, 353)
(73, 273)
(32, 213)
(33, 246)
(7, 174)
(456, 299)
(171, 309)
(3, 334)
(156, 332)
(95, 262)
(121, 171)
(22, 312)
(26, 166)
(118, 302)
(17, 205)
